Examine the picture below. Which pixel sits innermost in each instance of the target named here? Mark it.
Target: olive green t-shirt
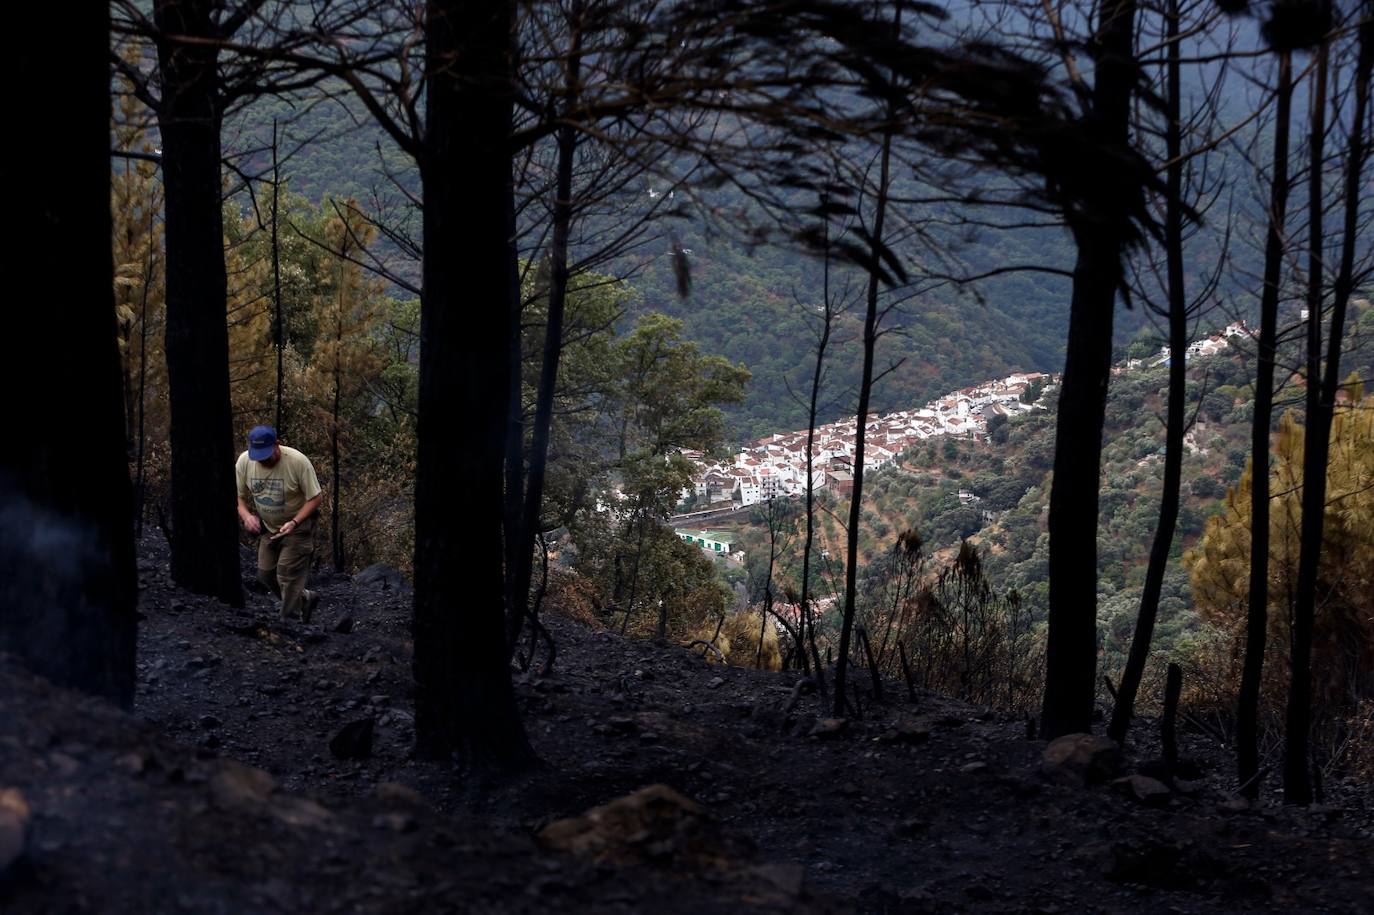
(277, 492)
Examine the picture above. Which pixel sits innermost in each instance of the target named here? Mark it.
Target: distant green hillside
(753, 307)
(1012, 478)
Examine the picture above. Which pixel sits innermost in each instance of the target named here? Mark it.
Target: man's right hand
(252, 524)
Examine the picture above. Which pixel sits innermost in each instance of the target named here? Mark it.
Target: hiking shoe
(312, 600)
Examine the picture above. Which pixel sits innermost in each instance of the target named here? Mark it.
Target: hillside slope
(920, 806)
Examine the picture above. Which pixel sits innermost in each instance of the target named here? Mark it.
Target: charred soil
(267, 767)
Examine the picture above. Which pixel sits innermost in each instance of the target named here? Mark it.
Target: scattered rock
(302, 812)
(622, 725)
(395, 822)
(63, 764)
(1079, 759)
(1148, 791)
(905, 732)
(829, 728)
(15, 822)
(237, 787)
(1188, 788)
(382, 577)
(135, 763)
(344, 626)
(1161, 864)
(209, 722)
(397, 793)
(768, 716)
(715, 683)
(787, 879)
(654, 826)
(912, 826)
(974, 768)
(1234, 805)
(354, 740)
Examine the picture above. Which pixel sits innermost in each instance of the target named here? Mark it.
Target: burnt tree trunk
(1124, 706)
(1257, 618)
(1297, 781)
(205, 552)
(465, 703)
(807, 629)
(1321, 401)
(528, 528)
(1168, 725)
(336, 539)
(514, 496)
(870, 341)
(68, 585)
(1101, 228)
(279, 322)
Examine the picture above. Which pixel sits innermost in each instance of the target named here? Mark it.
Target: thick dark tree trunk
(205, 552)
(1321, 403)
(1178, 383)
(1101, 231)
(1257, 618)
(68, 586)
(465, 703)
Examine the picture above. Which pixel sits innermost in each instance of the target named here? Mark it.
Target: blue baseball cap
(262, 441)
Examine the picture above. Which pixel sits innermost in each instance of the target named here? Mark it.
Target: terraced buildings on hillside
(776, 465)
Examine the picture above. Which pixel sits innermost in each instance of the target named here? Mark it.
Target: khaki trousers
(284, 565)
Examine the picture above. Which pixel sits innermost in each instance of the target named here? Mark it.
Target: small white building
(718, 542)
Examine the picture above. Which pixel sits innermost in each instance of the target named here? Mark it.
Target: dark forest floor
(221, 794)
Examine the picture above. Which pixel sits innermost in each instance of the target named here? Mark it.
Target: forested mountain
(753, 303)
(993, 495)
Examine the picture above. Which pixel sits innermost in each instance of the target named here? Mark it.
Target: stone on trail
(830, 728)
(1080, 759)
(15, 821)
(236, 786)
(354, 740)
(382, 577)
(905, 732)
(1149, 791)
(654, 826)
(397, 793)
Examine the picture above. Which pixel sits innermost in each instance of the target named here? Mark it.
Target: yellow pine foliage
(136, 249)
(347, 307)
(738, 640)
(1343, 643)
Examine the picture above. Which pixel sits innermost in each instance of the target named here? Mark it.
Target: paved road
(707, 518)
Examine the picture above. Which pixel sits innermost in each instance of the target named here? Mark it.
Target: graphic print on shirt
(269, 493)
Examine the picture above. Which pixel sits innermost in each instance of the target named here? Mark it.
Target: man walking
(280, 483)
